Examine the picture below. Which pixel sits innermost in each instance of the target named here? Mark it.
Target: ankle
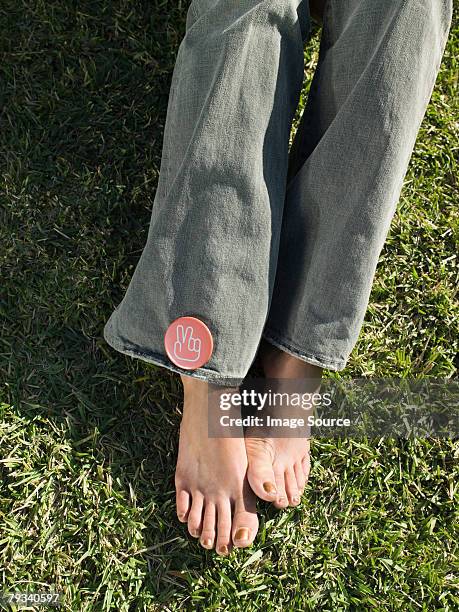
(279, 364)
(193, 386)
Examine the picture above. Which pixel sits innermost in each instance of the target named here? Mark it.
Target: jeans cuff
(329, 363)
(125, 346)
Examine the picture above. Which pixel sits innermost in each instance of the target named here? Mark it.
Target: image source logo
(188, 343)
(276, 408)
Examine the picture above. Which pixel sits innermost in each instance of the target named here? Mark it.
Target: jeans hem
(131, 349)
(314, 359)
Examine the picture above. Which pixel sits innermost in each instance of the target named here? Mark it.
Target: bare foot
(279, 467)
(213, 494)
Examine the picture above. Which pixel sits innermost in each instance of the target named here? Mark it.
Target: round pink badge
(188, 342)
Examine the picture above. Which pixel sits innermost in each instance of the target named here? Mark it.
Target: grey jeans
(255, 240)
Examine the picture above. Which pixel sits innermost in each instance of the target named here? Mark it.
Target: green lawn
(88, 436)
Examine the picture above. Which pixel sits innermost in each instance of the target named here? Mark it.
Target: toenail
(281, 500)
(242, 534)
(295, 499)
(195, 533)
(223, 550)
(269, 487)
(181, 517)
(207, 542)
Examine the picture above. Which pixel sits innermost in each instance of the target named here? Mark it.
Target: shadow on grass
(85, 92)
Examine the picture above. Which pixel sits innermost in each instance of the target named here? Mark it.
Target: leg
(377, 68)
(214, 233)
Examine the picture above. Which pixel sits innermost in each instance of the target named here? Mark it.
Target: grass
(89, 436)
